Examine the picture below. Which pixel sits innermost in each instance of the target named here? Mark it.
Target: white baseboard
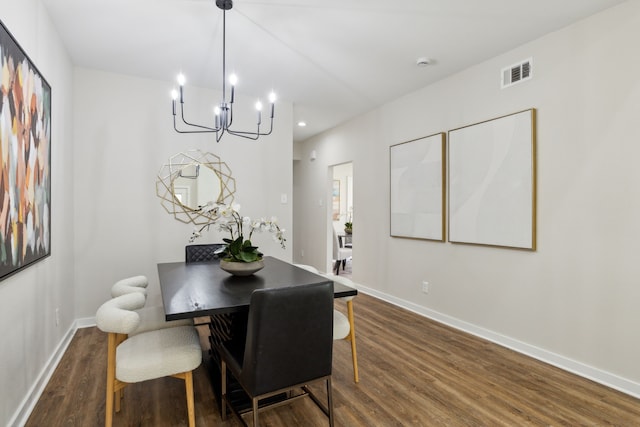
(21, 415)
(85, 322)
(603, 377)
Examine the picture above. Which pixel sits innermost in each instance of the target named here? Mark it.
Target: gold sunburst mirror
(191, 180)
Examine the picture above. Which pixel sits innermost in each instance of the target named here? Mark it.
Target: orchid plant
(228, 220)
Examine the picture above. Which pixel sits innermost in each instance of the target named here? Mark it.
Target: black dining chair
(206, 253)
(288, 345)
(202, 253)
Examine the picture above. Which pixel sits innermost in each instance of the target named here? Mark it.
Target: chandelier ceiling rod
(224, 110)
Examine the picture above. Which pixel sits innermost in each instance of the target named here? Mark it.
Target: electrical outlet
(425, 287)
(302, 253)
(57, 316)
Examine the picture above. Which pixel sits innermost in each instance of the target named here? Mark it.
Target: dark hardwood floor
(413, 371)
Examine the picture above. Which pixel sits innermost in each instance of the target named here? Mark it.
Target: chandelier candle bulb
(259, 109)
(233, 79)
(174, 97)
(272, 99)
(216, 112)
(181, 81)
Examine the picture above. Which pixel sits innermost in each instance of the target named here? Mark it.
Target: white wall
(575, 300)
(124, 134)
(28, 299)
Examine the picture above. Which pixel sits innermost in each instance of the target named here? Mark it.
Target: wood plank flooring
(413, 371)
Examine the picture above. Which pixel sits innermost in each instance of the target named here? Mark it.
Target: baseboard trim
(23, 412)
(594, 374)
(85, 322)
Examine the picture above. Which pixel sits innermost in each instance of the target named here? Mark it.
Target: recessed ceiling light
(302, 124)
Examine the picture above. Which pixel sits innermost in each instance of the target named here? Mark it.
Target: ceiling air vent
(516, 73)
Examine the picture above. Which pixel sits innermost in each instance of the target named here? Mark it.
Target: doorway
(341, 214)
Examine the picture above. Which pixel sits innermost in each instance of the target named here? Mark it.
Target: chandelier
(223, 112)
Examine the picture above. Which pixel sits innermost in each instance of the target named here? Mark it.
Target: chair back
(202, 253)
(336, 245)
(289, 337)
(343, 281)
(117, 315)
(129, 285)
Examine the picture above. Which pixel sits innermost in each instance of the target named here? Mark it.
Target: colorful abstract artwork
(25, 159)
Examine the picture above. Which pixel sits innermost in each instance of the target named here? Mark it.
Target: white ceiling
(333, 59)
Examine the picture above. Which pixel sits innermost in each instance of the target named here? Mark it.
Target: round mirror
(196, 186)
(191, 180)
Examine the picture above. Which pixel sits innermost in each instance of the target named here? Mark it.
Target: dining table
(203, 289)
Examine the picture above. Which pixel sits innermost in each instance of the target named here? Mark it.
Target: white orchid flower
(226, 211)
(226, 219)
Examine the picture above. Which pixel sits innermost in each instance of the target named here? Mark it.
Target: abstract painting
(492, 182)
(25, 159)
(417, 188)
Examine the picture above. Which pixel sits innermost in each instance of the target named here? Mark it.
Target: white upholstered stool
(344, 326)
(151, 318)
(165, 352)
(308, 268)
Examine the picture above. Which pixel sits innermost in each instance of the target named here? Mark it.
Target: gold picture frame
(492, 182)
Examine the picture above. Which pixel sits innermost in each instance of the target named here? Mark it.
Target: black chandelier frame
(224, 110)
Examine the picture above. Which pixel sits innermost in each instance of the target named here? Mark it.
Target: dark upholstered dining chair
(343, 326)
(288, 345)
(206, 253)
(202, 253)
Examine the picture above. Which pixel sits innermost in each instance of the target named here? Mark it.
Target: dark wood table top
(202, 289)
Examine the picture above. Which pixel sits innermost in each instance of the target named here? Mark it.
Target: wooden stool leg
(111, 378)
(188, 380)
(352, 338)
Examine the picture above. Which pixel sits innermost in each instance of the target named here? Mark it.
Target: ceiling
(333, 59)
